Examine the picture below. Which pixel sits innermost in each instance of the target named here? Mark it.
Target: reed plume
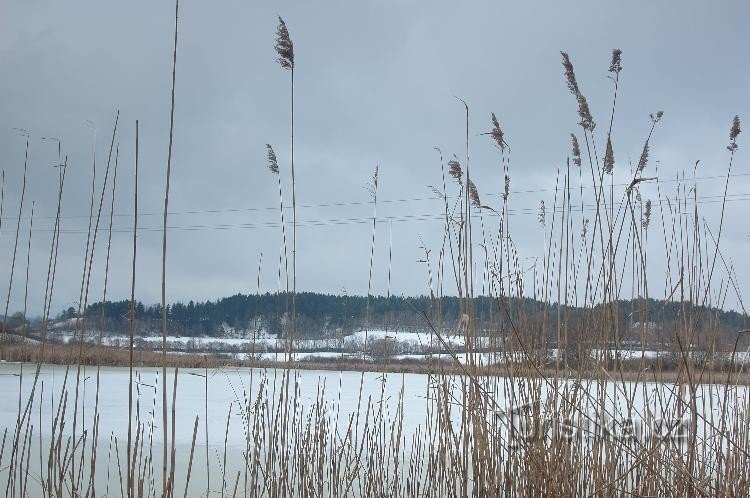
(647, 214)
(542, 214)
(455, 170)
(609, 158)
(576, 150)
(615, 66)
(734, 131)
(284, 47)
(643, 160)
(587, 121)
(497, 134)
(474, 195)
(273, 164)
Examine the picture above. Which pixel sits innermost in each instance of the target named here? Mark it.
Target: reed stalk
(131, 322)
(18, 228)
(165, 489)
(285, 51)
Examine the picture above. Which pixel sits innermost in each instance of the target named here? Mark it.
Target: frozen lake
(405, 398)
(226, 387)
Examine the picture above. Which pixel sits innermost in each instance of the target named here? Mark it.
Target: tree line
(328, 315)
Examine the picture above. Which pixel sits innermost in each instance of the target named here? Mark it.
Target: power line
(369, 202)
(428, 217)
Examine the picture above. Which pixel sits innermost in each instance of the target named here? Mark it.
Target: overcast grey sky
(374, 86)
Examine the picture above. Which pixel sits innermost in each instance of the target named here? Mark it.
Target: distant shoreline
(109, 356)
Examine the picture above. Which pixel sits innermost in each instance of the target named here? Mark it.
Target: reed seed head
(647, 214)
(587, 121)
(284, 47)
(570, 75)
(576, 150)
(506, 189)
(372, 186)
(455, 170)
(644, 158)
(542, 216)
(474, 195)
(273, 164)
(609, 158)
(497, 133)
(616, 65)
(733, 133)
(585, 228)
(655, 118)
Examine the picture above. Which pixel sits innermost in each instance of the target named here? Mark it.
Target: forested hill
(324, 314)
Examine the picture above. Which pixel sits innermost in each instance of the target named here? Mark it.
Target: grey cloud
(374, 85)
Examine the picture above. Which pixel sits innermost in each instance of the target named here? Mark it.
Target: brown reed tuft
(455, 170)
(655, 118)
(576, 150)
(587, 121)
(284, 46)
(542, 216)
(570, 75)
(609, 158)
(497, 133)
(733, 133)
(273, 164)
(616, 65)
(647, 214)
(474, 195)
(644, 157)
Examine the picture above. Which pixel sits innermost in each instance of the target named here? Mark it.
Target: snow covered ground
(398, 345)
(402, 341)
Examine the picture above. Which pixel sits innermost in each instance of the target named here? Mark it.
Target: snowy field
(401, 347)
(409, 340)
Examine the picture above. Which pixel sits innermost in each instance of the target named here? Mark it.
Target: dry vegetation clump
(563, 415)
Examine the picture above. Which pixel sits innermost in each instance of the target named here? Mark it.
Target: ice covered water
(405, 405)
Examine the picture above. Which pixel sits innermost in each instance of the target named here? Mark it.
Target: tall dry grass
(165, 432)
(285, 52)
(556, 413)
